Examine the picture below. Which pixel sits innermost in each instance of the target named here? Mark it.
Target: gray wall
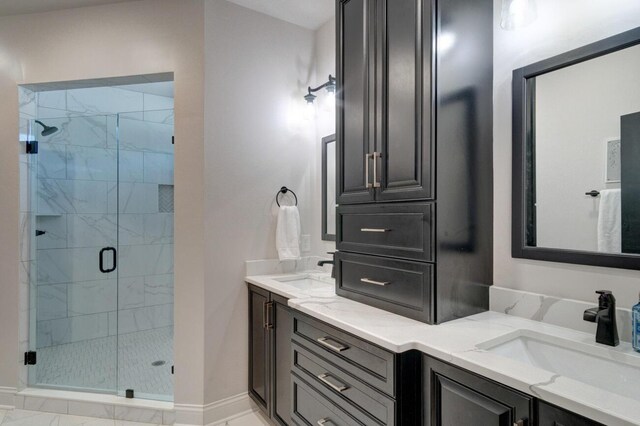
(257, 139)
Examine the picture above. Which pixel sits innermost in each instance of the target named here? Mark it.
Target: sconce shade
(309, 97)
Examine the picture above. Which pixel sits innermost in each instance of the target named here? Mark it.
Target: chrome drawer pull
(380, 283)
(380, 230)
(324, 341)
(323, 422)
(338, 388)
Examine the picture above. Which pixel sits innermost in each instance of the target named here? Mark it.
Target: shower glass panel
(102, 287)
(145, 270)
(74, 284)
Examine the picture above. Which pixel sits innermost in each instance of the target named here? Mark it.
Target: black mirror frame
(523, 216)
(325, 142)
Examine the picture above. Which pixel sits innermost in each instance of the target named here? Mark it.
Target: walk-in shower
(101, 214)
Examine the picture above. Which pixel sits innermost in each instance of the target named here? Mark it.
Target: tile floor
(251, 419)
(34, 418)
(92, 364)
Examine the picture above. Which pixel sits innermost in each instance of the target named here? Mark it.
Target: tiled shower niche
(96, 183)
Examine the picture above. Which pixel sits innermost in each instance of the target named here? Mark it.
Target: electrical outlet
(305, 242)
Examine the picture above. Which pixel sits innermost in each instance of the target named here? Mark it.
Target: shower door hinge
(32, 147)
(172, 370)
(30, 358)
(173, 140)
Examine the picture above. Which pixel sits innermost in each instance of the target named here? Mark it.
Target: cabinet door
(404, 131)
(282, 329)
(354, 123)
(549, 415)
(455, 397)
(259, 381)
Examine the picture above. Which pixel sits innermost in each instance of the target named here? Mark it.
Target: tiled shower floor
(91, 364)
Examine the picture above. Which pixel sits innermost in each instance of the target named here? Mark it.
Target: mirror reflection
(584, 154)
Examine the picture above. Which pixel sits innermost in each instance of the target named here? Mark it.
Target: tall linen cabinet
(414, 137)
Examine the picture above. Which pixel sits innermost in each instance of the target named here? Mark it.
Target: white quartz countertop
(457, 342)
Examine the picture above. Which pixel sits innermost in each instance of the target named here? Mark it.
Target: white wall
(561, 26)
(325, 64)
(257, 140)
(577, 110)
(143, 37)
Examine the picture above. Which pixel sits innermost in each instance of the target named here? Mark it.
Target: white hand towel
(288, 233)
(610, 222)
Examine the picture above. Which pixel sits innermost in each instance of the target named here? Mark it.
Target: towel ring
(283, 191)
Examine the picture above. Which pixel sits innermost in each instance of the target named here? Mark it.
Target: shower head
(47, 130)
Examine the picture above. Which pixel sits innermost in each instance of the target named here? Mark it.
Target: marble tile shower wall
(77, 204)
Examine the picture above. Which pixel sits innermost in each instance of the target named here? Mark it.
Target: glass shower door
(145, 270)
(75, 284)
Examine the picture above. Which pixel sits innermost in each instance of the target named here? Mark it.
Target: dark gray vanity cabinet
(455, 397)
(340, 379)
(414, 139)
(550, 415)
(270, 328)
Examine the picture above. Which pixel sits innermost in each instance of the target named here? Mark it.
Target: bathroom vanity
(353, 364)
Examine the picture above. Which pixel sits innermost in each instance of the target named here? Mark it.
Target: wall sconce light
(518, 13)
(330, 85)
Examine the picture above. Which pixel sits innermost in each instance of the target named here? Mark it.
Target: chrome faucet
(605, 316)
(330, 262)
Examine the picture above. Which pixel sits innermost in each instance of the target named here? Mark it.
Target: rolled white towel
(288, 233)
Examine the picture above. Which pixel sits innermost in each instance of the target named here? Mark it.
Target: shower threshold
(98, 405)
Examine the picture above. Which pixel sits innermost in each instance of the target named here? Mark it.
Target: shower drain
(158, 363)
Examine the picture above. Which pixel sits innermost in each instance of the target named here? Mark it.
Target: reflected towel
(610, 222)
(288, 233)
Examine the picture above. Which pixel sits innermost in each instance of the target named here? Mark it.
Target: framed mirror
(329, 188)
(576, 156)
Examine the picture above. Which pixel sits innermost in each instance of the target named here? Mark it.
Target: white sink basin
(611, 370)
(302, 282)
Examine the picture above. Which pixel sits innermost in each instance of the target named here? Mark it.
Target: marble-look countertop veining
(457, 342)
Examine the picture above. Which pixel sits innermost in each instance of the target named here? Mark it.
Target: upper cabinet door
(404, 89)
(354, 122)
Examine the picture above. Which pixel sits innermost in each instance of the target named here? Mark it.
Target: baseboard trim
(215, 412)
(7, 398)
(228, 408)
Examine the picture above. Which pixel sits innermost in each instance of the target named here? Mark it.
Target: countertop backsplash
(275, 266)
(553, 310)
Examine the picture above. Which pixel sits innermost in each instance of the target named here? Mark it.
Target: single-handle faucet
(605, 316)
(330, 262)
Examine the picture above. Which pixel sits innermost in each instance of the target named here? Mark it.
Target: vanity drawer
(340, 386)
(401, 287)
(396, 230)
(371, 364)
(310, 407)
